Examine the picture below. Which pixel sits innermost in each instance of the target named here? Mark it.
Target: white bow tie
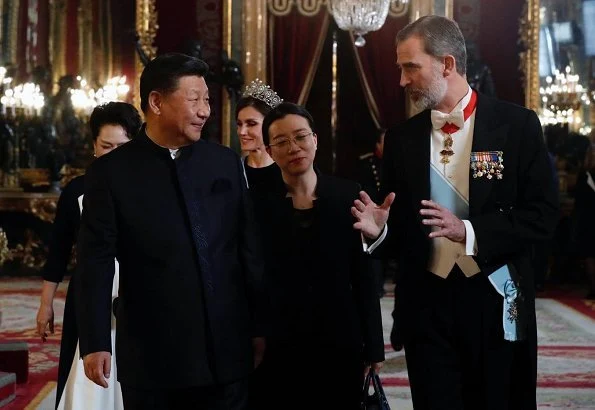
(455, 117)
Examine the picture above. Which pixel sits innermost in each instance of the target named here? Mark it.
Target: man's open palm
(371, 218)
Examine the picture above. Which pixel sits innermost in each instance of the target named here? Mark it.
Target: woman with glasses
(326, 326)
(257, 100)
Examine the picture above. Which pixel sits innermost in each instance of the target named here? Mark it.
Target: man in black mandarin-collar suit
(453, 323)
(174, 211)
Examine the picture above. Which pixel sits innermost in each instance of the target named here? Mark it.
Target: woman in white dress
(112, 125)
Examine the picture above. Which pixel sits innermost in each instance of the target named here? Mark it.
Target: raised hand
(371, 218)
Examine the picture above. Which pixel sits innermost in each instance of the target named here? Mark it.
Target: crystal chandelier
(359, 16)
(563, 99)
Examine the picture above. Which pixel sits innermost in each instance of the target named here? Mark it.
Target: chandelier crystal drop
(359, 16)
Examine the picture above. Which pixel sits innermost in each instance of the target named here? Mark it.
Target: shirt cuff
(470, 239)
(370, 248)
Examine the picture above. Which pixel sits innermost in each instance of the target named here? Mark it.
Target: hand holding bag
(377, 400)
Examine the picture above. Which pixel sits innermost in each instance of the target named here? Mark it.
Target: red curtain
(123, 29)
(379, 76)
(295, 43)
(177, 24)
(499, 45)
(43, 34)
(32, 37)
(21, 54)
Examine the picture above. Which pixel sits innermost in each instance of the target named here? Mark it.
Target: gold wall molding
(398, 8)
(85, 46)
(2, 34)
(40, 205)
(225, 101)
(57, 40)
(107, 39)
(449, 8)
(304, 7)
(5, 254)
(420, 8)
(254, 39)
(529, 57)
(13, 26)
(146, 29)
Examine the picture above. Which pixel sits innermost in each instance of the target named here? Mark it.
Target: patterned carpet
(566, 332)
(566, 363)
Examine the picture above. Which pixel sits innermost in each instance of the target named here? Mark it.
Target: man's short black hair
(115, 113)
(163, 72)
(281, 111)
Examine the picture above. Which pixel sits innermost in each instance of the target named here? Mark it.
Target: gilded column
(225, 102)
(443, 8)
(254, 30)
(420, 8)
(424, 7)
(146, 29)
(57, 40)
(13, 27)
(85, 28)
(106, 30)
(449, 8)
(529, 36)
(2, 7)
(334, 102)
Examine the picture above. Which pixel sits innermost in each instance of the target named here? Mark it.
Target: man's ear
(155, 101)
(450, 65)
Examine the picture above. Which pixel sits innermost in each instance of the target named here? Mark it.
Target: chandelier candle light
(359, 16)
(85, 98)
(562, 99)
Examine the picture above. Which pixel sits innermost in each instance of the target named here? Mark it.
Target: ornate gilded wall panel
(254, 34)
(57, 40)
(225, 102)
(529, 38)
(146, 29)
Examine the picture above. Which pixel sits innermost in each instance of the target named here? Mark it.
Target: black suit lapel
(326, 211)
(488, 135)
(416, 157)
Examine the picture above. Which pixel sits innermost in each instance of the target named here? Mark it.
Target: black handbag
(377, 399)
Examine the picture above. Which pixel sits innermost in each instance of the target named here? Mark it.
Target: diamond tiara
(259, 90)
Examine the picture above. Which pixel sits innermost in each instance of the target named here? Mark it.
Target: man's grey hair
(441, 37)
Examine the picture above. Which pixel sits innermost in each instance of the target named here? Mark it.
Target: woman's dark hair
(163, 72)
(255, 103)
(115, 113)
(281, 111)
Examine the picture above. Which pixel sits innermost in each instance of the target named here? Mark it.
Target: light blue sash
(513, 317)
(513, 321)
(445, 194)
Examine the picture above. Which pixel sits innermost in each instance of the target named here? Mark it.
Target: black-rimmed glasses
(301, 140)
